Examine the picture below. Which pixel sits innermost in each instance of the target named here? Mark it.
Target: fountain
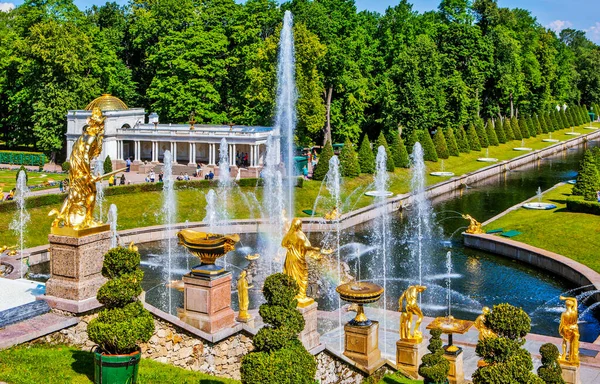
(539, 205)
(572, 133)
(225, 181)
(112, 220)
(211, 210)
(522, 148)
(98, 172)
(169, 211)
(487, 158)
(550, 139)
(21, 217)
(448, 282)
(442, 173)
(381, 176)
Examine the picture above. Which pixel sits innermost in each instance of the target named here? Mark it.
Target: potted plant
(123, 323)
(434, 367)
(550, 370)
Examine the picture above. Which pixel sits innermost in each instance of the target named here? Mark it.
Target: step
(34, 328)
(23, 312)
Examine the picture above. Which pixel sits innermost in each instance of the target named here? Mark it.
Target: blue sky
(555, 14)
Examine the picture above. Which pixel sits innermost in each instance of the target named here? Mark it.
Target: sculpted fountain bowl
(539, 206)
(208, 247)
(359, 293)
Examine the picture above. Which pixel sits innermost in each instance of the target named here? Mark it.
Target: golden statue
(78, 208)
(332, 215)
(411, 296)
(243, 299)
(298, 247)
(569, 330)
(474, 225)
(484, 332)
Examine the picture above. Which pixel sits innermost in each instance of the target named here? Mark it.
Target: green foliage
(276, 344)
(434, 367)
(508, 132)
(588, 179)
(523, 128)
(473, 139)
(441, 148)
(516, 129)
(66, 166)
(401, 159)
(565, 120)
(389, 164)
(22, 169)
(550, 371)
(412, 139)
(451, 142)
(323, 165)
(500, 133)
(123, 323)
(366, 159)
(531, 127)
(107, 165)
(541, 123)
(481, 133)
(429, 153)
(23, 158)
(462, 141)
(508, 321)
(583, 206)
(491, 133)
(349, 166)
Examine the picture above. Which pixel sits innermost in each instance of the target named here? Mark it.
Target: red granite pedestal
(207, 302)
(309, 335)
(362, 345)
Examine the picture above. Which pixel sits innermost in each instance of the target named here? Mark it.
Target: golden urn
(360, 293)
(208, 247)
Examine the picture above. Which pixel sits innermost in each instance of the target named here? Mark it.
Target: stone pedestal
(408, 357)
(75, 270)
(207, 302)
(362, 344)
(456, 375)
(570, 373)
(309, 336)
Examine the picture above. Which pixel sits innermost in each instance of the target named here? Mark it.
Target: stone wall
(331, 370)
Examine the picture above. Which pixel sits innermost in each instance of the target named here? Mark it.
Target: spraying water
(448, 280)
(225, 182)
(169, 210)
(287, 96)
(112, 220)
(539, 194)
(99, 171)
(211, 210)
(21, 217)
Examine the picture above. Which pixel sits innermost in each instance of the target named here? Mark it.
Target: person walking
(128, 164)
(122, 180)
(111, 180)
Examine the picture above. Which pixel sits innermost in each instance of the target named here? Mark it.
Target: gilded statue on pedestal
(484, 331)
(569, 330)
(474, 225)
(243, 299)
(411, 295)
(298, 248)
(332, 215)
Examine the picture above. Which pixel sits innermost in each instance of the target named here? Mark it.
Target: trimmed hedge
(23, 158)
(582, 206)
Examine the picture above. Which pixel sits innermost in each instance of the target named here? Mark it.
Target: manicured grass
(143, 209)
(398, 379)
(8, 178)
(574, 235)
(40, 363)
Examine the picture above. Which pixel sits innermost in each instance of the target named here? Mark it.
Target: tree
(429, 153)
(481, 133)
(323, 165)
(107, 166)
(541, 122)
(550, 371)
(523, 127)
(507, 129)
(400, 154)
(491, 133)
(277, 344)
(366, 159)
(516, 129)
(441, 148)
(434, 366)
(451, 142)
(588, 179)
(461, 140)
(531, 127)
(473, 138)
(381, 141)
(537, 124)
(349, 160)
(500, 133)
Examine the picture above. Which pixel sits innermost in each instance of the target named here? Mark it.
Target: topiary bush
(523, 128)
(490, 132)
(323, 165)
(279, 357)
(107, 165)
(461, 140)
(441, 148)
(481, 133)
(588, 179)
(381, 141)
(124, 322)
(66, 166)
(349, 166)
(451, 142)
(541, 123)
(434, 367)
(473, 138)
(366, 159)
(514, 125)
(22, 168)
(508, 133)
(506, 359)
(500, 132)
(401, 159)
(550, 371)
(429, 153)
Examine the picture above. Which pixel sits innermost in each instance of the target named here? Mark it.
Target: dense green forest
(357, 72)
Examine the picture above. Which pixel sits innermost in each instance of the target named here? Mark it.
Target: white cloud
(593, 32)
(559, 25)
(6, 7)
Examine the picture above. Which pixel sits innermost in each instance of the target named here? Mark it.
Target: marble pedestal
(207, 302)
(75, 270)
(362, 344)
(456, 375)
(408, 357)
(309, 336)
(570, 373)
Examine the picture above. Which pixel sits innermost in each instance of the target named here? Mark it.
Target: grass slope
(8, 178)
(574, 235)
(41, 363)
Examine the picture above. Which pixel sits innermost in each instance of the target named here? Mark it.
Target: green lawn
(574, 235)
(398, 379)
(8, 178)
(40, 363)
(142, 209)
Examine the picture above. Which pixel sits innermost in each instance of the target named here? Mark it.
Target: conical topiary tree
(451, 142)
(461, 140)
(323, 165)
(523, 127)
(507, 129)
(411, 139)
(366, 160)
(564, 119)
(107, 166)
(490, 131)
(381, 141)
(550, 372)
(473, 138)
(514, 125)
(124, 323)
(429, 153)
(538, 124)
(481, 133)
(506, 361)
(500, 133)
(434, 366)
(401, 159)
(349, 160)
(278, 356)
(441, 148)
(531, 127)
(588, 179)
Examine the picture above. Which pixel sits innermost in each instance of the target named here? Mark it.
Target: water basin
(487, 159)
(379, 194)
(539, 206)
(442, 174)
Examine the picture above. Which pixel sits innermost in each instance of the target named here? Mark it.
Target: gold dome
(107, 102)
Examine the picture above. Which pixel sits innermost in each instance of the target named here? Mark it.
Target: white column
(174, 152)
(136, 150)
(191, 153)
(121, 150)
(252, 155)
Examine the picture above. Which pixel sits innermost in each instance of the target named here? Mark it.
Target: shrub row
(583, 206)
(23, 158)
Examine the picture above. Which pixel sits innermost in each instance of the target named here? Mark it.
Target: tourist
(211, 175)
(160, 177)
(11, 195)
(246, 159)
(180, 177)
(305, 172)
(152, 176)
(598, 196)
(186, 177)
(60, 186)
(128, 164)
(111, 180)
(122, 180)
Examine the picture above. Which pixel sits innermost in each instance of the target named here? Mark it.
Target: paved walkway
(34, 328)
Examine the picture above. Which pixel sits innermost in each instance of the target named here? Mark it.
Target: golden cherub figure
(332, 215)
(411, 296)
(474, 225)
(569, 330)
(484, 331)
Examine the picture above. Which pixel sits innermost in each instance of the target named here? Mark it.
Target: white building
(127, 135)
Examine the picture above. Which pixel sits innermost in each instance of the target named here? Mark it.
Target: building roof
(107, 102)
